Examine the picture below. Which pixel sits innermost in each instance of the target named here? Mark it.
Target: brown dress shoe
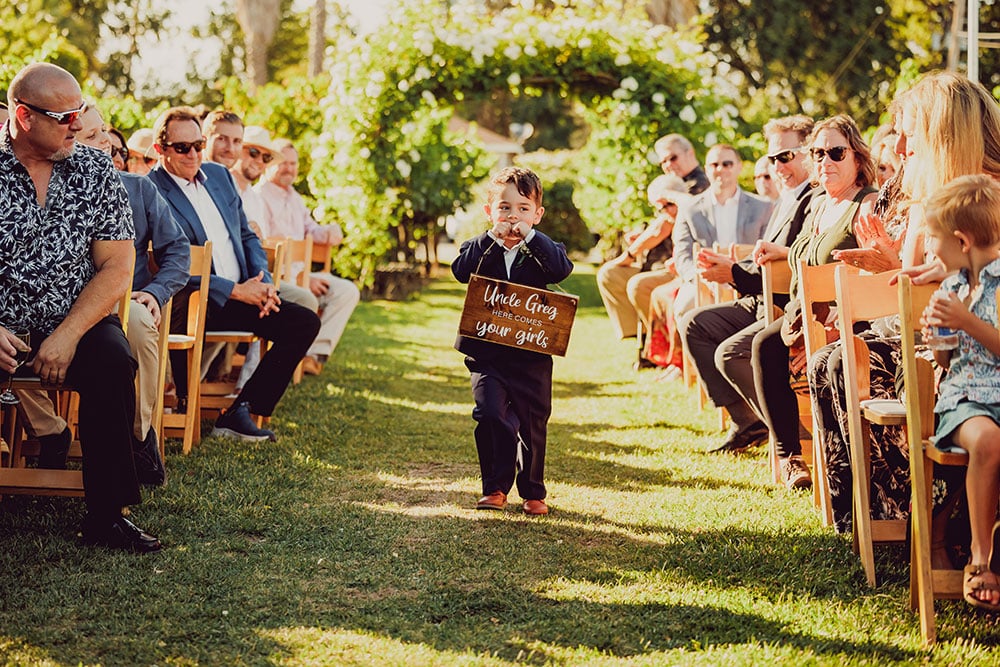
(535, 507)
(494, 501)
(311, 366)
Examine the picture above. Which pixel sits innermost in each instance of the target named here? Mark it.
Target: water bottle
(942, 338)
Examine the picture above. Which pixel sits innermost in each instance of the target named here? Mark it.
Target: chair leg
(860, 469)
(821, 479)
(921, 539)
(192, 416)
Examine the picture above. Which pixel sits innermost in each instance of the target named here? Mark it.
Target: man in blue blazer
(241, 294)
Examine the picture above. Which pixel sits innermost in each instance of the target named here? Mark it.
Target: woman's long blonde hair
(948, 109)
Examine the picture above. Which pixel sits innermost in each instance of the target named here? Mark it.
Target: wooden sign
(519, 316)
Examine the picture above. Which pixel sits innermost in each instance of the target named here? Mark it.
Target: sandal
(995, 551)
(969, 586)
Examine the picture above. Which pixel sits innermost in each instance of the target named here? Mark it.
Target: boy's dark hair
(968, 204)
(526, 181)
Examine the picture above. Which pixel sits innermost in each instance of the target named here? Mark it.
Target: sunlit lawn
(352, 541)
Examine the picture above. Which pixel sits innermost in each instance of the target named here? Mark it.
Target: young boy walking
(512, 388)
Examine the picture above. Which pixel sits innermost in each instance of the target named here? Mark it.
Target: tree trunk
(259, 20)
(671, 12)
(317, 38)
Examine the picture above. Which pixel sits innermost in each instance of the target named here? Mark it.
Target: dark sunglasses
(258, 153)
(670, 158)
(725, 164)
(784, 157)
(184, 147)
(837, 153)
(61, 117)
(120, 152)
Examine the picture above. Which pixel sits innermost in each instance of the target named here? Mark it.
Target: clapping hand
(715, 267)
(870, 233)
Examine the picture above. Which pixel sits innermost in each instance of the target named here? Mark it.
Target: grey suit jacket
(696, 225)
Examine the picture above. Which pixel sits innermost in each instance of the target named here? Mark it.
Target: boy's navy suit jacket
(545, 263)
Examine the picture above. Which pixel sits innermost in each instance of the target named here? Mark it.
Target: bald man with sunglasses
(241, 293)
(65, 261)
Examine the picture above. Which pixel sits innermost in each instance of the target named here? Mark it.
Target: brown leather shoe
(535, 507)
(311, 366)
(494, 501)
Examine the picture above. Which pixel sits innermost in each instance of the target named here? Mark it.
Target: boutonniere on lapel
(522, 254)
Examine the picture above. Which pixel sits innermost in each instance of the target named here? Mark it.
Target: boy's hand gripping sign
(519, 316)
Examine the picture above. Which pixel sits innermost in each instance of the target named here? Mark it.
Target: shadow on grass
(455, 583)
(356, 520)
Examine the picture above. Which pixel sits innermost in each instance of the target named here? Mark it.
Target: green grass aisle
(352, 541)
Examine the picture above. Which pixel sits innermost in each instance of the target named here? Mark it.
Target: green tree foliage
(562, 220)
(390, 95)
(817, 56)
(61, 31)
(287, 57)
(125, 23)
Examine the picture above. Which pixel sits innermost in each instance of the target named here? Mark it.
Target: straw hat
(141, 143)
(257, 136)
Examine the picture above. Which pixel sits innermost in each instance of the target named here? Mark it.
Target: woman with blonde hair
(932, 120)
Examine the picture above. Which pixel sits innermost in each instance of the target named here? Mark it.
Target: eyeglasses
(725, 164)
(121, 152)
(61, 117)
(255, 153)
(184, 147)
(766, 177)
(784, 157)
(837, 153)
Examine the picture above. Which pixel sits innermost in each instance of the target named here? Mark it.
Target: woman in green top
(843, 167)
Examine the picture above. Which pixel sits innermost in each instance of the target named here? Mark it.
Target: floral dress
(890, 460)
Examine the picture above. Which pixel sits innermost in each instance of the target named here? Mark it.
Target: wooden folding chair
(215, 396)
(776, 278)
(322, 253)
(17, 479)
(187, 425)
(862, 298)
(297, 251)
(926, 583)
(817, 286)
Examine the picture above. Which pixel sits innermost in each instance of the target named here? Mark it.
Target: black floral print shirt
(45, 253)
